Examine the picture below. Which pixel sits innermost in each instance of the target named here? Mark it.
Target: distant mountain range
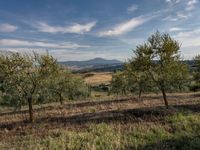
(96, 63)
(91, 62)
(100, 64)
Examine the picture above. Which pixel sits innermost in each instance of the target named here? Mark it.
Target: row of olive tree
(156, 65)
(32, 79)
(195, 85)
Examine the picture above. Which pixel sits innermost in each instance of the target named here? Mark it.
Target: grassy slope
(180, 131)
(118, 124)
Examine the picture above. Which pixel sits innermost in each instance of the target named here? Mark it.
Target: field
(94, 78)
(117, 123)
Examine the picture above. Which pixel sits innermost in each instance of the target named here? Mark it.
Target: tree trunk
(123, 91)
(61, 98)
(30, 109)
(140, 94)
(165, 97)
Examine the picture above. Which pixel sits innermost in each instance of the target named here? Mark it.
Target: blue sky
(85, 29)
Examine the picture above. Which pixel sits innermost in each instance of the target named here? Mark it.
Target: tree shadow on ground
(127, 115)
(95, 103)
(153, 114)
(74, 105)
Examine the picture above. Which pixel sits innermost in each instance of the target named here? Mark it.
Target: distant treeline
(120, 67)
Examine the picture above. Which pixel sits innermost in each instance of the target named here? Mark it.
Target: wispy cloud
(178, 16)
(132, 8)
(69, 54)
(126, 26)
(7, 27)
(191, 5)
(181, 14)
(190, 33)
(74, 28)
(175, 29)
(38, 44)
(171, 2)
(189, 38)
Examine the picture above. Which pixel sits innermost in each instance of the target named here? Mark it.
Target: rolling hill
(93, 64)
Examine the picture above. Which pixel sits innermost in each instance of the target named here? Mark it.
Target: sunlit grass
(180, 131)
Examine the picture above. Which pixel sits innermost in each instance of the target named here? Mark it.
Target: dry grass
(98, 78)
(78, 116)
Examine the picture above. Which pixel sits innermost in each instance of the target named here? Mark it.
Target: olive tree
(65, 85)
(159, 58)
(11, 68)
(196, 74)
(197, 69)
(23, 76)
(119, 83)
(77, 89)
(137, 71)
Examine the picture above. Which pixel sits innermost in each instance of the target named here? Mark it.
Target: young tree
(196, 73)
(137, 70)
(23, 76)
(60, 84)
(119, 83)
(77, 89)
(160, 58)
(165, 60)
(65, 85)
(197, 69)
(181, 77)
(11, 66)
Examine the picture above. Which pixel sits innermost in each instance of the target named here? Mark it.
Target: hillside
(103, 65)
(82, 125)
(91, 64)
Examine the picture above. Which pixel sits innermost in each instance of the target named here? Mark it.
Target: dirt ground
(78, 115)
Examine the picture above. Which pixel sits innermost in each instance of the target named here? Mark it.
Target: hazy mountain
(100, 64)
(91, 63)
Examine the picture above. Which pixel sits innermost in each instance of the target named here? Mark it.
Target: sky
(86, 29)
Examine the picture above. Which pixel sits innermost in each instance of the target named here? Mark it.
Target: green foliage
(119, 83)
(137, 75)
(77, 89)
(156, 64)
(23, 76)
(33, 79)
(196, 74)
(165, 67)
(101, 87)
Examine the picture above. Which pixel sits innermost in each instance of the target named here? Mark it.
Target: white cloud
(189, 38)
(132, 8)
(191, 4)
(194, 32)
(188, 42)
(171, 2)
(75, 28)
(126, 26)
(175, 29)
(7, 27)
(70, 55)
(181, 14)
(168, 1)
(39, 44)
